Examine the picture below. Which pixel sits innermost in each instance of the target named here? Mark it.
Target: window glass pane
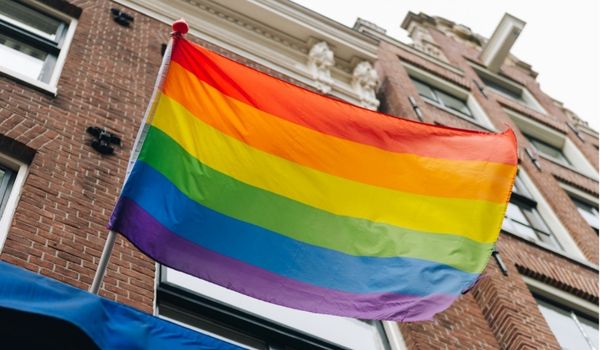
(563, 326)
(424, 90)
(21, 58)
(548, 149)
(588, 211)
(502, 89)
(519, 187)
(30, 19)
(591, 330)
(454, 103)
(514, 212)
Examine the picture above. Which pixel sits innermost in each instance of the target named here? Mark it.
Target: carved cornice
(276, 34)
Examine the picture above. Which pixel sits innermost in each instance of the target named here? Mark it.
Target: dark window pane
(502, 89)
(548, 149)
(454, 103)
(424, 90)
(29, 19)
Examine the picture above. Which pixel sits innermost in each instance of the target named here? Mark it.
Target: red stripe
(338, 118)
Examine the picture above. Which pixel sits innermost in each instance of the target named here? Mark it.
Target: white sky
(561, 39)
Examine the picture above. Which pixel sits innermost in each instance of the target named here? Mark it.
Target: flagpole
(180, 27)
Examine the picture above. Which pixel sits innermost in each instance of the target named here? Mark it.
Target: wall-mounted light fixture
(104, 140)
(121, 17)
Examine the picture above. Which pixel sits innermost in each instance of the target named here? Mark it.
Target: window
(548, 149)
(12, 177)
(508, 88)
(447, 96)
(573, 329)
(442, 98)
(33, 42)
(255, 324)
(588, 211)
(7, 178)
(523, 218)
(553, 145)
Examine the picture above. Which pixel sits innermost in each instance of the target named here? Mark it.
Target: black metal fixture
(104, 140)
(121, 17)
(501, 265)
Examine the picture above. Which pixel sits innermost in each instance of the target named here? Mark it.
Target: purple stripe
(158, 242)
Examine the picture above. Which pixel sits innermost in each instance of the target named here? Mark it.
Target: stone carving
(364, 84)
(320, 61)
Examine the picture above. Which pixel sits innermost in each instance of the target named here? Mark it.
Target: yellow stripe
(476, 219)
(361, 163)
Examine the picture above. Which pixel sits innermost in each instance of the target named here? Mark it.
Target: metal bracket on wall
(534, 157)
(415, 107)
(499, 261)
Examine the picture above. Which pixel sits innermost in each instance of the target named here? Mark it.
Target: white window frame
(571, 250)
(527, 97)
(332, 329)
(578, 161)
(561, 297)
(51, 85)
(6, 217)
(579, 194)
(479, 117)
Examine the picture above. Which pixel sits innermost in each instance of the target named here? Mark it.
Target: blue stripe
(287, 257)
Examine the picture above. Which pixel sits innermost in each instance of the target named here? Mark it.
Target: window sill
(461, 116)
(569, 167)
(36, 84)
(553, 250)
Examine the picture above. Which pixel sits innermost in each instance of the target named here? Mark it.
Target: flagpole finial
(180, 27)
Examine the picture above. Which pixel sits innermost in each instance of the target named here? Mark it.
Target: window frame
(568, 246)
(582, 196)
(228, 313)
(562, 299)
(579, 163)
(479, 116)
(508, 88)
(527, 205)
(57, 51)
(11, 200)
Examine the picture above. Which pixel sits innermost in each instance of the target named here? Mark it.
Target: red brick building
(67, 67)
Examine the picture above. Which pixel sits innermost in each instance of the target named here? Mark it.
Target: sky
(561, 39)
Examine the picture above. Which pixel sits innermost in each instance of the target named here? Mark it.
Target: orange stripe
(336, 156)
(338, 118)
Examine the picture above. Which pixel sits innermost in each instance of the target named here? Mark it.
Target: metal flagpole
(180, 27)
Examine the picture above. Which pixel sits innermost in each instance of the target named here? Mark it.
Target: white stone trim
(561, 297)
(11, 205)
(276, 34)
(579, 193)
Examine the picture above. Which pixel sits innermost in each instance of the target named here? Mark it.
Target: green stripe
(353, 236)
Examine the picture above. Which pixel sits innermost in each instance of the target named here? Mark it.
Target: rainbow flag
(305, 201)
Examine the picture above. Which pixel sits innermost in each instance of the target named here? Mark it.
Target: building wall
(59, 230)
(499, 312)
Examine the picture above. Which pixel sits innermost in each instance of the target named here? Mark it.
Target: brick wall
(500, 305)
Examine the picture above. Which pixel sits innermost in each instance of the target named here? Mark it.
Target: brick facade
(58, 228)
(503, 302)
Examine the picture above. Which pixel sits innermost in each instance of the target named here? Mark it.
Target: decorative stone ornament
(320, 61)
(364, 83)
